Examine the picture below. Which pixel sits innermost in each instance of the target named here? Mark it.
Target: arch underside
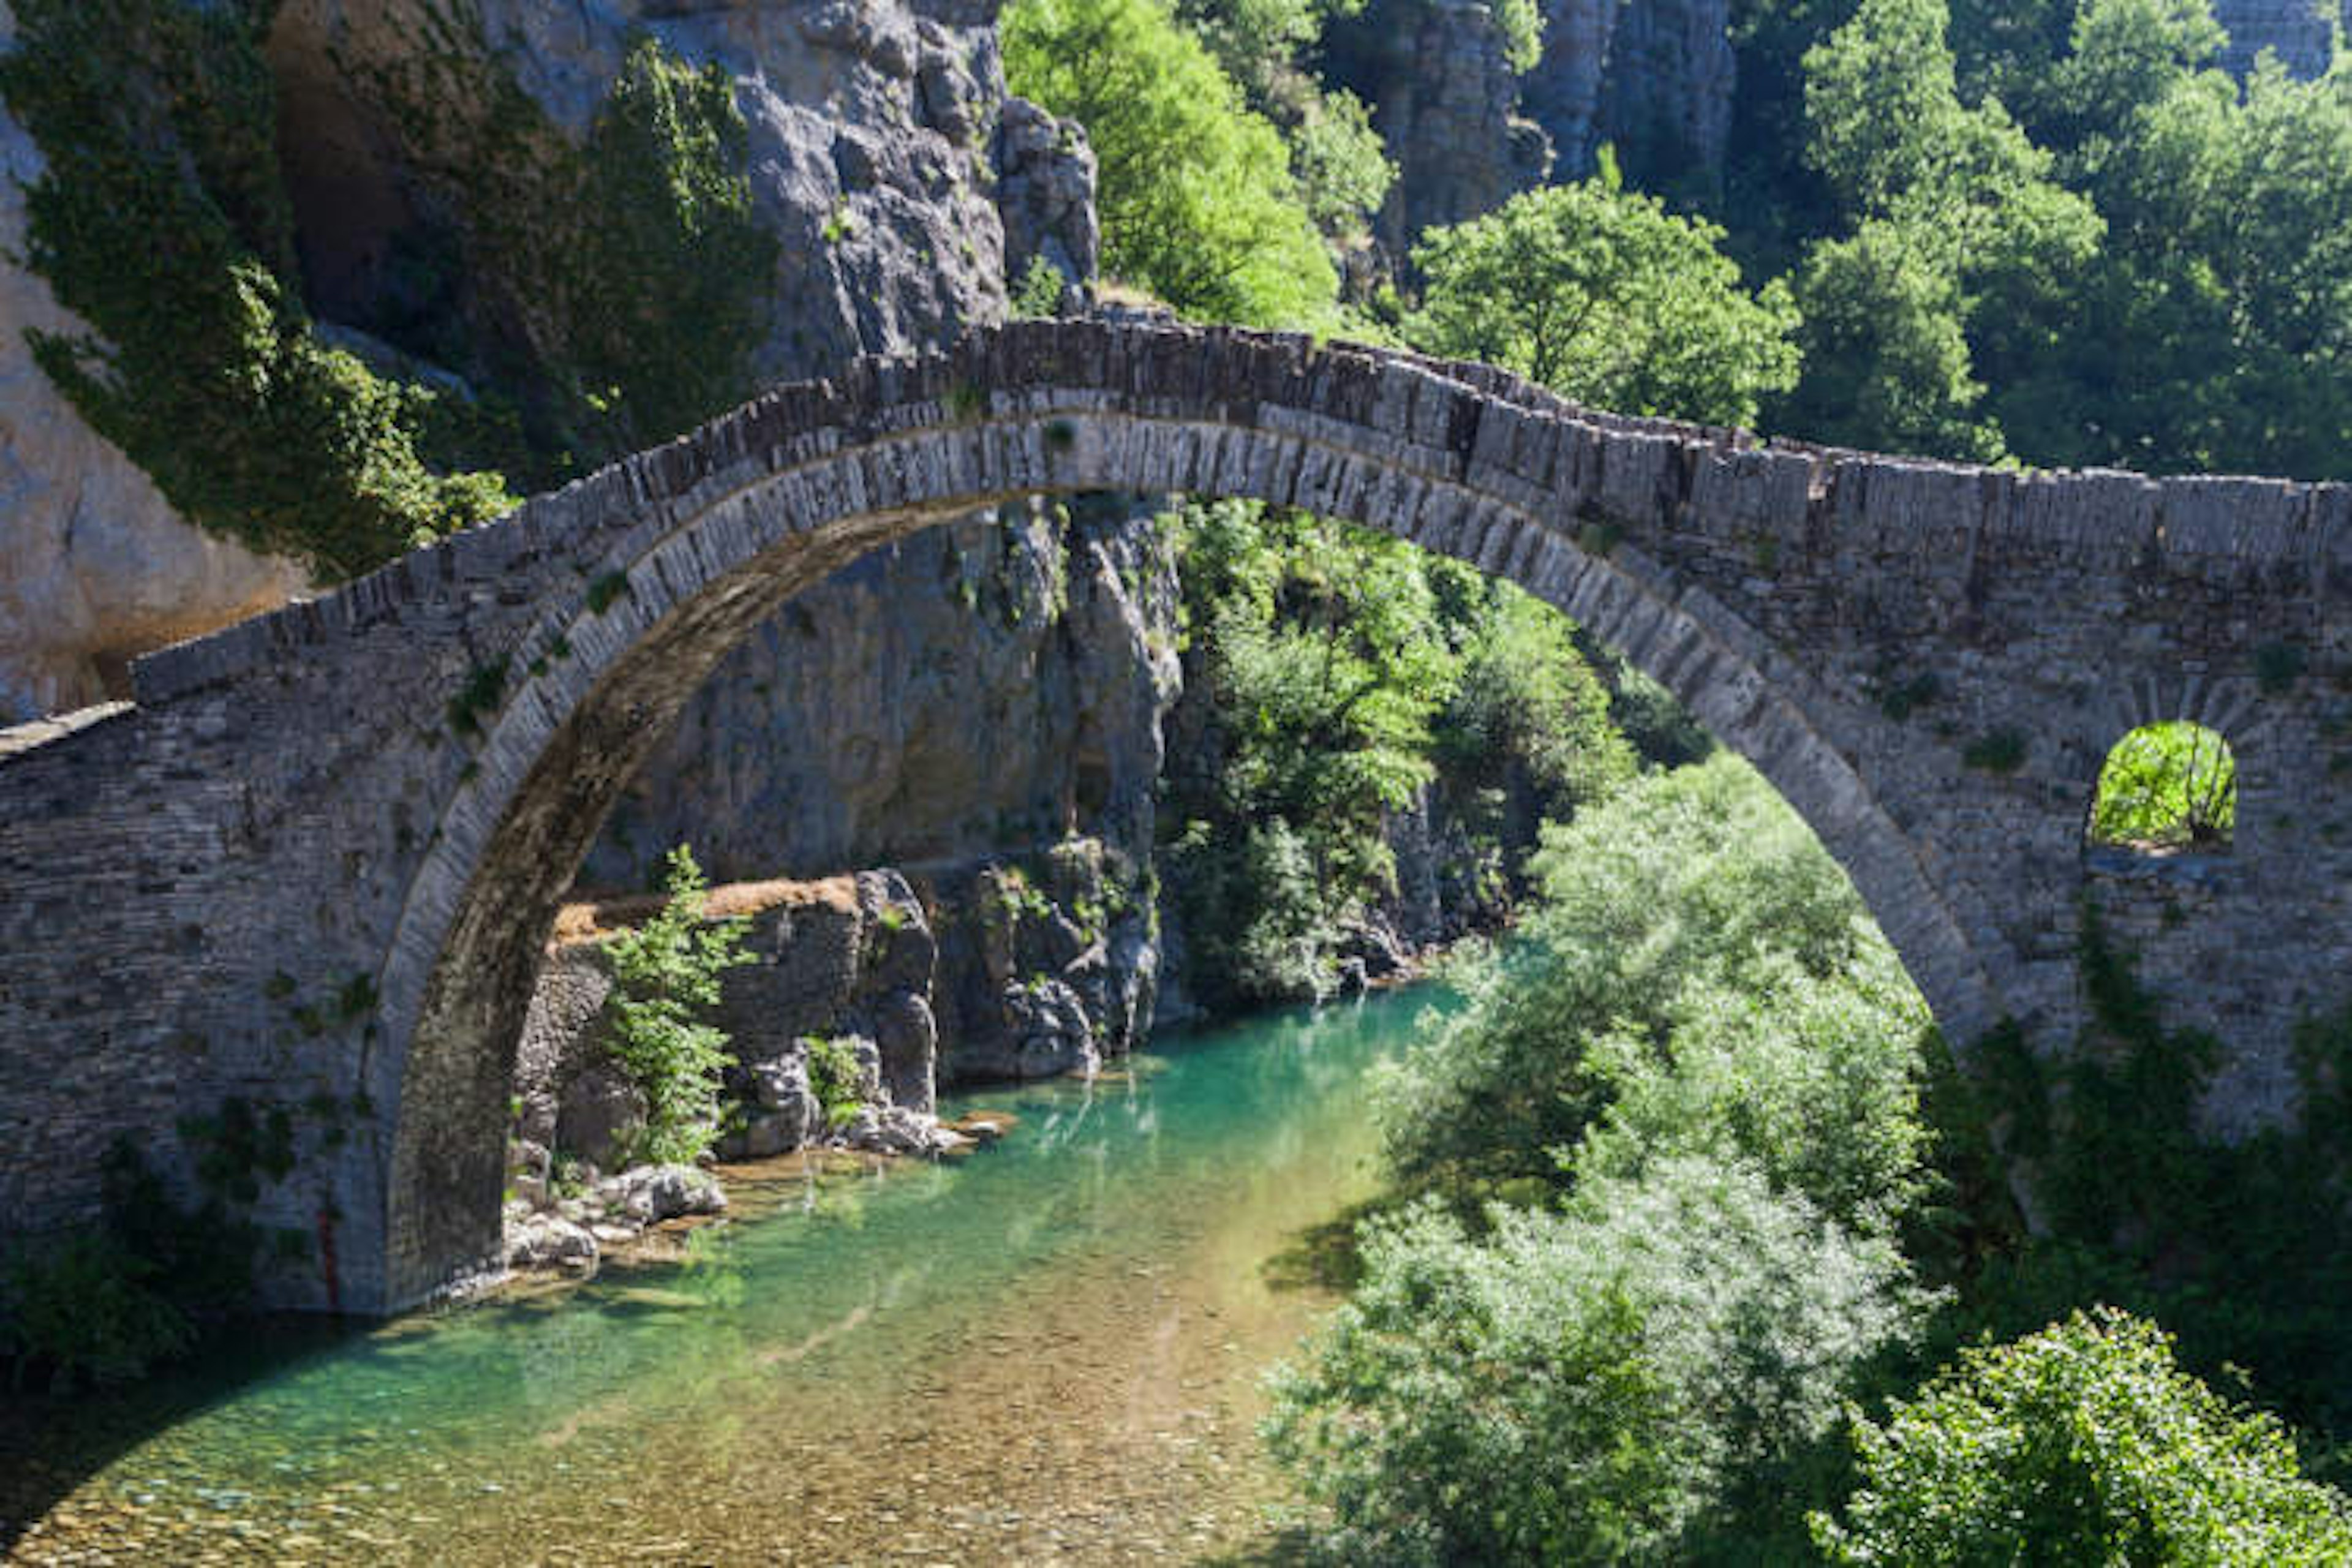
(704, 572)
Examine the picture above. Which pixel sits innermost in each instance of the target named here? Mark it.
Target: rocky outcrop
(901, 188)
(1445, 101)
(95, 566)
(862, 994)
(1048, 963)
(849, 957)
(874, 156)
(1652, 78)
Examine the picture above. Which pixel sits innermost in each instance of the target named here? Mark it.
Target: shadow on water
(1325, 1256)
(51, 1443)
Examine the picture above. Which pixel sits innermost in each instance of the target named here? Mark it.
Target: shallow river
(1050, 1351)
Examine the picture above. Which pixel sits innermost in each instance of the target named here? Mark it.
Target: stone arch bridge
(314, 864)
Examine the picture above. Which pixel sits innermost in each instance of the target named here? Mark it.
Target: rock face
(958, 971)
(849, 956)
(1445, 101)
(95, 566)
(1652, 77)
(1048, 963)
(881, 149)
(987, 686)
(876, 156)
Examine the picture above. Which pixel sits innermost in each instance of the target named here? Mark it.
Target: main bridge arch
(731, 524)
(444, 738)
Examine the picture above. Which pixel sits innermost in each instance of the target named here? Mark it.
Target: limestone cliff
(991, 685)
(1444, 100)
(1652, 78)
(95, 566)
(900, 189)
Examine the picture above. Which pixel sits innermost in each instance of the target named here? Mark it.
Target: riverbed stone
(550, 1241)
(651, 1194)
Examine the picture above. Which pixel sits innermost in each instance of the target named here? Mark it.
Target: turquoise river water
(1049, 1352)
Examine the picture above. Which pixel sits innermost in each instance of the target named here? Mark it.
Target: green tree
(1602, 294)
(1525, 701)
(2172, 784)
(666, 978)
(1596, 1385)
(1953, 275)
(1196, 192)
(2214, 333)
(1319, 649)
(1655, 909)
(2083, 1444)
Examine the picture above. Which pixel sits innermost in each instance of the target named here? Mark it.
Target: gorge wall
(900, 185)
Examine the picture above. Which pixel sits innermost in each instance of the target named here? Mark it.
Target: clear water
(1051, 1350)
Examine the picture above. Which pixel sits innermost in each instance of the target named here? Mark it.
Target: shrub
(84, 1308)
(834, 1079)
(1587, 1386)
(1039, 295)
(664, 974)
(2081, 1444)
(1683, 887)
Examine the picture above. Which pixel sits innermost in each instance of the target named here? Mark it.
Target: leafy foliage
(1603, 294)
(1959, 232)
(1694, 953)
(1039, 295)
(834, 1079)
(672, 277)
(665, 975)
(2082, 1444)
(1196, 191)
(1583, 1386)
(2168, 785)
(160, 221)
(1342, 673)
(2052, 229)
(2244, 1249)
(86, 1307)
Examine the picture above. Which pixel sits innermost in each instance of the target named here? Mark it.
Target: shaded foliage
(2081, 1444)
